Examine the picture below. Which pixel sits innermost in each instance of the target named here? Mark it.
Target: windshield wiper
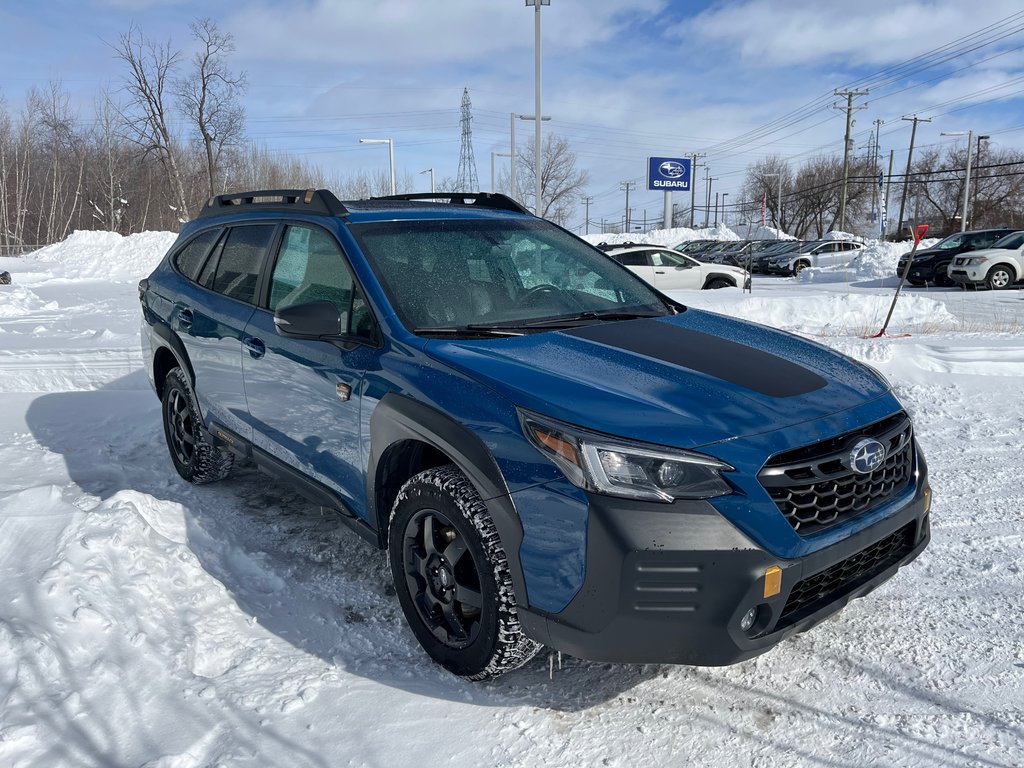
(469, 330)
(568, 321)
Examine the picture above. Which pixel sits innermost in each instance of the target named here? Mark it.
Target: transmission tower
(467, 180)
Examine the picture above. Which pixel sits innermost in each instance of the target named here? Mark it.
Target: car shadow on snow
(297, 571)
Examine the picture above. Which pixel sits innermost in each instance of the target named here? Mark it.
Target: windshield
(460, 273)
(1013, 240)
(952, 241)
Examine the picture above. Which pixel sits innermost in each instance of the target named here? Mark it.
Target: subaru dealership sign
(667, 174)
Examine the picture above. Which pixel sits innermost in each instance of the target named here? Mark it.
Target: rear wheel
(452, 578)
(195, 458)
(999, 277)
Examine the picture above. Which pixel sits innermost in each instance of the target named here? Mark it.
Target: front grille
(814, 487)
(821, 589)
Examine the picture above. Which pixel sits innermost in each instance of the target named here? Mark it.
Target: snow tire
(194, 457)
(446, 555)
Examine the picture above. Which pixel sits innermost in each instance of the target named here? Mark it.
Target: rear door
(305, 397)
(211, 316)
(639, 263)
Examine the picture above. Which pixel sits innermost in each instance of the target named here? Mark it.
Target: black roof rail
(319, 201)
(483, 199)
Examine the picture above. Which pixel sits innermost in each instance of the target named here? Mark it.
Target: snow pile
(18, 301)
(822, 314)
(107, 255)
(877, 261)
(666, 237)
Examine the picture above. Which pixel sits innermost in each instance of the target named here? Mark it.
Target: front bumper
(670, 584)
(968, 275)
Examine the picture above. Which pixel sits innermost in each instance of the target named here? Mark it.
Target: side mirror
(312, 320)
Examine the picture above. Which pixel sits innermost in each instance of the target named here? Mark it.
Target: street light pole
(974, 197)
(512, 176)
(725, 217)
(537, 4)
(778, 217)
(391, 156)
(494, 155)
(431, 172)
(967, 177)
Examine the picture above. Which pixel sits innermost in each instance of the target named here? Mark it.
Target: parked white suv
(669, 270)
(997, 267)
(816, 253)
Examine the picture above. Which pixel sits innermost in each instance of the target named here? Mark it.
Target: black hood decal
(727, 360)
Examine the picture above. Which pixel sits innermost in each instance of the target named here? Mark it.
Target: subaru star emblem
(867, 456)
(671, 169)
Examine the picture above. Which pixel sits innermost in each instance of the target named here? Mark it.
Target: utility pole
(708, 178)
(846, 149)
(876, 189)
(906, 176)
(694, 165)
(888, 179)
(586, 221)
(627, 185)
(716, 209)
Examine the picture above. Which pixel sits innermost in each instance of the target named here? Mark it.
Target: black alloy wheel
(194, 456)
(452, 577)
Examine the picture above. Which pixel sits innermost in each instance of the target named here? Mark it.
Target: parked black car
(930, 265)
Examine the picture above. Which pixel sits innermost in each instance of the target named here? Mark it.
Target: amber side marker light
(772, 581)
(927, 500)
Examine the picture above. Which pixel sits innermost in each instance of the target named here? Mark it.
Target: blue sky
(737, 79)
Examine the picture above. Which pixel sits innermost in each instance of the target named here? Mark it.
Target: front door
(305, 396)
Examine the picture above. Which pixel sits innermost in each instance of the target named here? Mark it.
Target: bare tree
(210, 97)
(764, 181)
(561, 182)
(147, 112)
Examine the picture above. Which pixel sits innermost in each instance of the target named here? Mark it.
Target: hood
(991, 252)
(686, 380)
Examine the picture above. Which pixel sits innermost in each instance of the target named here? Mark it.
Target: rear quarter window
(241, 257)
(189, 260)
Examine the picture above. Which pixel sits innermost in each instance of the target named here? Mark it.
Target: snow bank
(824, 314)
(107, 255)
(877, 261)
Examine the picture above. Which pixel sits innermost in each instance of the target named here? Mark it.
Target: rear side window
(190, 259)
(633, 259)
(238, 268)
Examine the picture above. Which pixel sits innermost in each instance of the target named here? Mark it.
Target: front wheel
(718, 282)
(799, 267)
(999, 277)
(452, 577)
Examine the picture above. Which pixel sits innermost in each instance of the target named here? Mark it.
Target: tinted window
(190, 258)
(311, 267)
(633, 259)
(239, 265)
(1014, 240)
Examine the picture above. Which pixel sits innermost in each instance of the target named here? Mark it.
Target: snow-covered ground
(146, 622)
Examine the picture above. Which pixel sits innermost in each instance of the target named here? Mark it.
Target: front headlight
(623, 468)
(974, 261)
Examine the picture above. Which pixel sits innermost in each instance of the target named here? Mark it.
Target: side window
(190, 259)
(241, 255)
(634, 259)
(662, 259)
(310, 267)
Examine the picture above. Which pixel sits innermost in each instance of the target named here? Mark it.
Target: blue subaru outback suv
(551, 451)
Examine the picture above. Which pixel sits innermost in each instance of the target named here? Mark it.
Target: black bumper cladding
(671, 584)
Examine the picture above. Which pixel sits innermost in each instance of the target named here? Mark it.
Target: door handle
(185, 319)
(256, 348)
(659, 272)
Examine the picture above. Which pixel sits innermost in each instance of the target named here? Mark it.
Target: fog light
(748, 619)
